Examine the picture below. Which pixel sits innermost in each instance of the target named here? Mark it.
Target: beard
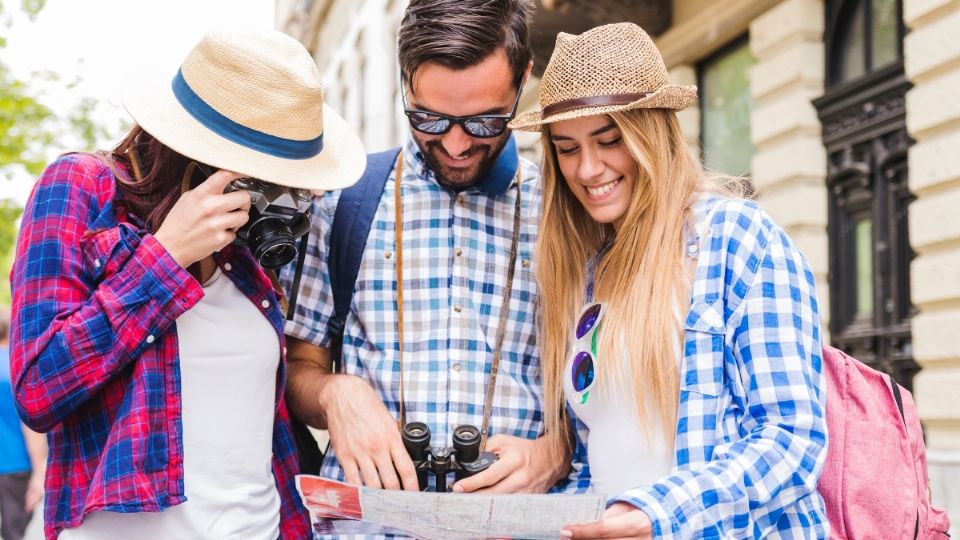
(460, 178)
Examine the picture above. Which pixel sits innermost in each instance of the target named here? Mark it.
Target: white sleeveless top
(620, 456)
(229, 356)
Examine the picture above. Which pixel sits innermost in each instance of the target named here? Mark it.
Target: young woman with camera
(680, 334)
(146, 341)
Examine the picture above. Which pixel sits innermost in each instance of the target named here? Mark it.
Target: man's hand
(620, 521)
(365, 437)
(523, 466)
(362, 432)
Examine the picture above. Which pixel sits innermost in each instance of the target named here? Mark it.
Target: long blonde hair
(642, 278)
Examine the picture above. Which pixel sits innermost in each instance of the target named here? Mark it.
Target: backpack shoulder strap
(897, 397)
(348, 239)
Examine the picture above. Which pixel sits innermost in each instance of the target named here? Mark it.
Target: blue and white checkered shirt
(456, 250)
(751, 435)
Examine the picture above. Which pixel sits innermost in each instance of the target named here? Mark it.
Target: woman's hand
(204, 219)
(621, 521)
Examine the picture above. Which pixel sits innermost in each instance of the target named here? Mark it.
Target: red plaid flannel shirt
(94, 351)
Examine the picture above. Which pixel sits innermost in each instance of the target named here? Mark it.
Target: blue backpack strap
(348, 239)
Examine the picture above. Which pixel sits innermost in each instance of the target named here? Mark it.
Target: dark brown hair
(153, 184)
(151, 181)
(458, 34)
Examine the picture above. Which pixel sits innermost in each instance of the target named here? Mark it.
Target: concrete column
(932, 63)
(689, 117)
(790, 162)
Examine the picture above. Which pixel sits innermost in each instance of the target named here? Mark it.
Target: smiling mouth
(601, 190)
(462, 160)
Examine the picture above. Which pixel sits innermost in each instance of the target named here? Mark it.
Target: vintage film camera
(463, 460)
(279, 216)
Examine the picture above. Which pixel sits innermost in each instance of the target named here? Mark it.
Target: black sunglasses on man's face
(482, 126)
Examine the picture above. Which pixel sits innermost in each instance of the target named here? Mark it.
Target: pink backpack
(874, 482)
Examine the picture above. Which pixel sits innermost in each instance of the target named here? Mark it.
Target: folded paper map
(442, 516)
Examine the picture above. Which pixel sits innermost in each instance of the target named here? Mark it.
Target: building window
(885, 32)
(864, 131)
(725, 108)
(869, 36)
(863, 242)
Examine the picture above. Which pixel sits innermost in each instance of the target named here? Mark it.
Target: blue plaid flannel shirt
(751, 434)
(456, 252)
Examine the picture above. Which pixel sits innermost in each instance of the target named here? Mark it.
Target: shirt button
(457, 308)
(456, 367)
(151, 339)
(692, 248)
(96, 263)
(460, 200)
(265, 304)
(458, 252)
(526, 263)
(228, 267)
(284, 351)
(387, 255)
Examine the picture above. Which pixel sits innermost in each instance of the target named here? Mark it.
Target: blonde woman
(680, 334)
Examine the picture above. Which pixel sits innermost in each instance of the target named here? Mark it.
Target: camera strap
(301, 251)
(504, 309)
(297, 274)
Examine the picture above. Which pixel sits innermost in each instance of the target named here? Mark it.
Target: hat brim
(152, 104)
(672, 96)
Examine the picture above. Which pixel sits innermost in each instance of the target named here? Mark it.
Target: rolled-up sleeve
(315, 299)
(86, 301)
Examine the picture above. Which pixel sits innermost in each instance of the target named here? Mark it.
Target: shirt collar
(496, 182)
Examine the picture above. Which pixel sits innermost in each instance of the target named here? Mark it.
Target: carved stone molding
(874, 112)
(865, 109)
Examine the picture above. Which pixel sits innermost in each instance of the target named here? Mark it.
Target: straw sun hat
(609, 68)
(250, 102)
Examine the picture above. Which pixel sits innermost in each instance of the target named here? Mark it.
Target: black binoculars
(463, 460)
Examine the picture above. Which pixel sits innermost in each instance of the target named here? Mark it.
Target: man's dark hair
(458, 34)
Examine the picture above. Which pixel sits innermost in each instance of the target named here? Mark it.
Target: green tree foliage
(25, 126)
(9, 213)
(28, 128)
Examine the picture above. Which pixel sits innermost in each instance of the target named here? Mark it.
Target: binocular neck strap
(504, 309)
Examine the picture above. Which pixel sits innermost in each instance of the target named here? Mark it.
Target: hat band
(240, 134)
(592, 101)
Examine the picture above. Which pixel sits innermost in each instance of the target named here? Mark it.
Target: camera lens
(466, 441)
(272, 243)
(416, 439)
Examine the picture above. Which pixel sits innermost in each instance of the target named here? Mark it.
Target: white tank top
(229, 355)
(620, 456)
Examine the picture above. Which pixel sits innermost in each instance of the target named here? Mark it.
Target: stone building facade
(844, 115)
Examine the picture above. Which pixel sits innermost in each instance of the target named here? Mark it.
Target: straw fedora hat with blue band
(250, 102)
(610, 68)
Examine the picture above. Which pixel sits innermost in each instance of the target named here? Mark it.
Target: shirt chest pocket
(105, 251)
(702, 362)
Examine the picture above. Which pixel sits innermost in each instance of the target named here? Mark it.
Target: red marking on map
(329, 498)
